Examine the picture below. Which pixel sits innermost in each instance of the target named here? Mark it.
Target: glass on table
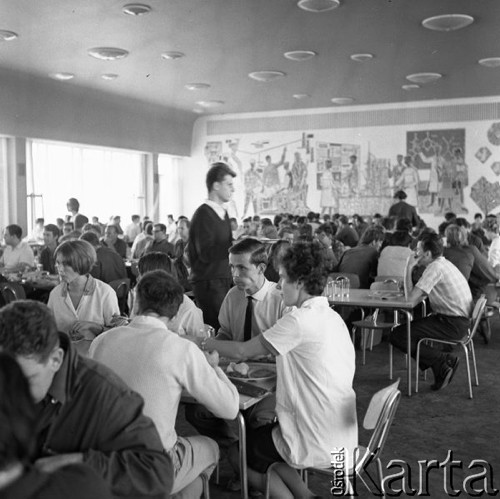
(206, 331)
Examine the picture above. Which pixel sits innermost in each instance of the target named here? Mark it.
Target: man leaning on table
(159, 365)
(17, 255)
(451, 303)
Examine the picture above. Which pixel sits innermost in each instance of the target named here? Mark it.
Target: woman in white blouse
(490, 227)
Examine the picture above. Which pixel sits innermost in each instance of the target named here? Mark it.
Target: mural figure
(270, 176)
(396, 171)
(328, 201)
(352, 175)
(460, 175)
(436, 162)
(253, 188)
(299, 179)
(408, 182)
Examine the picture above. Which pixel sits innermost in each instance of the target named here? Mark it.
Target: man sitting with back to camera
(159, 365)
(85, 413)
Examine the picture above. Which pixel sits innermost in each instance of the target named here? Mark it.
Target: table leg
(243, 455)
(408, 348)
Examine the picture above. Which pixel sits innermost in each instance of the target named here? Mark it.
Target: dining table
(385, 300)
(268, 386)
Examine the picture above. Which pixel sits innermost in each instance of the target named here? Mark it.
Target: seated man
(85, 413)
(51, 240)
(346, 234)
(159, 365)
(451, 303)
(160, 241)
(109, 266)
(325, 235)
(112, 241)
(17, 255)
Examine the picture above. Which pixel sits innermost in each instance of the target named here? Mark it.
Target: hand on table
(85, 330)
(53, 463)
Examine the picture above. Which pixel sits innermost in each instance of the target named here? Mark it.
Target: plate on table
(255, 373)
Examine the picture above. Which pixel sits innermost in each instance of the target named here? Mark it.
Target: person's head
(343, 220)
(155, 260)
(429, 247)
(399, 159)
(91, 237)
(377, 219)
(490, 227)
(268, 229)
(117, 220)
(157, 292)
(68, 228)
(74, 258)
(39, 222)
(401, 195)
(73, 205)
(268, 158)
(219, 182)
(183, 229)
(148, 228)
(111, 233)
(324, 234)
(50, 235)
(249, 227)
(170, 219)
(277, 251)
(28, 332)
(17, 415)
(95, 220)
(287, 233)
(136, 219)
(12, 235)
(302, 272)
(478, 217)
(373, 236)
(450, 217)
(248, 262)
(234, 223)
(455, 236)
(404, 224)
(353, 158)
(60, 223)
(159, 232)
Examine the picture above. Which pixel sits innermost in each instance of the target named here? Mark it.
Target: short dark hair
(306, 263)
(371, 234)
(326, 228)
(161, 226)
(400, 195)
(52, 228)
(148, 227)
(462, 222)
(73, 204)
(77, 254)
(404, 224)
(158, 292)
(257, 250)
(28, 329)
(491, 224)
(455, 236)
(217, 172)
(112, 226)
(135, 217)
(17, 414)
(15, 230)
(343, 220)
(155, 260)
(91, 237)
(432, 242)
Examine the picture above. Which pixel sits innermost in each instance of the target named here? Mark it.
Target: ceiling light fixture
(424, 77)
(301, 96)
(447, 22)
(266, 76)
(318, 5)
(109, 76)
(410, 87)
(62, 76)
(172, 55)
(7, 36)
(108, 53)
(136, 9)
(197, 86)
(361, 57)
(342, 100)
(197, 110)
(300, 55)
(209, 103)
(490, 62)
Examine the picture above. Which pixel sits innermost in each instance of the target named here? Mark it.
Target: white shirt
(494, 252)
(132, 231)
(21, 254)
(268, 307)
(315, 401)
(159, 365)
(98, 304)
(219, 209)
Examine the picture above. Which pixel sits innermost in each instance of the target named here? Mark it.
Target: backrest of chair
(12, 291)
(353, 278)
(477, 314)
(121, 287)
(392, 260)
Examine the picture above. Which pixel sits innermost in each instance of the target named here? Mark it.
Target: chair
(467, 343)
(392, 261)
(371, 323)
(12, 291)
(378, 417)
(121, 287)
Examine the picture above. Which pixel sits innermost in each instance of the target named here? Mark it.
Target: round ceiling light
(301, 96)
(172, 55)
(136, 9)
(197, 86)
(209, 103)
(490, 62)
(342, 100)
(413, 86)
(108, 53)
(424, 77)
(7, 36)
(447, 22)
(300, 55)
(266, 75)
(197, 110)
(318, 5)
(361, 57)
(62, 76)
(109, 76)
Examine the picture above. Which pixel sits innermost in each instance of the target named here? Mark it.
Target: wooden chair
(121, 287)
(11, 291)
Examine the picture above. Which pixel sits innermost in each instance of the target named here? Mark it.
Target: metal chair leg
(206, 485)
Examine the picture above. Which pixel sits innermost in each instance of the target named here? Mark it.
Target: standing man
(171, 229)
(17, 254)
(133, 230)
(401, 209)
(210, 238)
(78, 219)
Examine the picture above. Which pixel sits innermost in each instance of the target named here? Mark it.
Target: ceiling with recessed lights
(227, 56)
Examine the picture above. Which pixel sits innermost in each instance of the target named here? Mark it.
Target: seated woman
(18, 477)
(315, 368)
(82, 305)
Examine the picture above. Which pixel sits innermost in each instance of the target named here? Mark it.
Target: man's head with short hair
(50, 234)
(170, 218)
(111, 233)
(91, 238)
(401, 195)
(324, 234)
(217, 174)
(136, 219)
(73, 205)
(248, 261)
(404, 224)
(159, 231)
(159, 293)
(155, 260)
(183, 228)
(373, 235)
(28, 332)
(343, 220)
(68, 228)
(455, 236)
(77, 254)
(12, 234)
(431, 242)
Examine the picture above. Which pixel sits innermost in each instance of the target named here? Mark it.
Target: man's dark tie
(247, 329)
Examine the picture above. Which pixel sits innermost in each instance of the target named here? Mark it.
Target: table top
(375, 299)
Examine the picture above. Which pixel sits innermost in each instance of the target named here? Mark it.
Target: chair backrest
(353, 278)
(121, 287)
(392, 261)
(12, 291)
(477, 314)
(379, 417)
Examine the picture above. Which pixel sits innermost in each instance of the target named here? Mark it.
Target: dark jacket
(402, 209)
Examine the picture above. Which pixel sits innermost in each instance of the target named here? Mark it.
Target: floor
(428, 426)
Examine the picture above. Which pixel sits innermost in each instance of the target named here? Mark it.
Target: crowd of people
(93, 394)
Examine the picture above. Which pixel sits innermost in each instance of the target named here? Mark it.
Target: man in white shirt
(160, 365)
(133, 230)
(171, 229)
(17, 255)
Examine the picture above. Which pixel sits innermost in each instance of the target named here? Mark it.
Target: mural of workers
(253, 188)
(408, 182)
